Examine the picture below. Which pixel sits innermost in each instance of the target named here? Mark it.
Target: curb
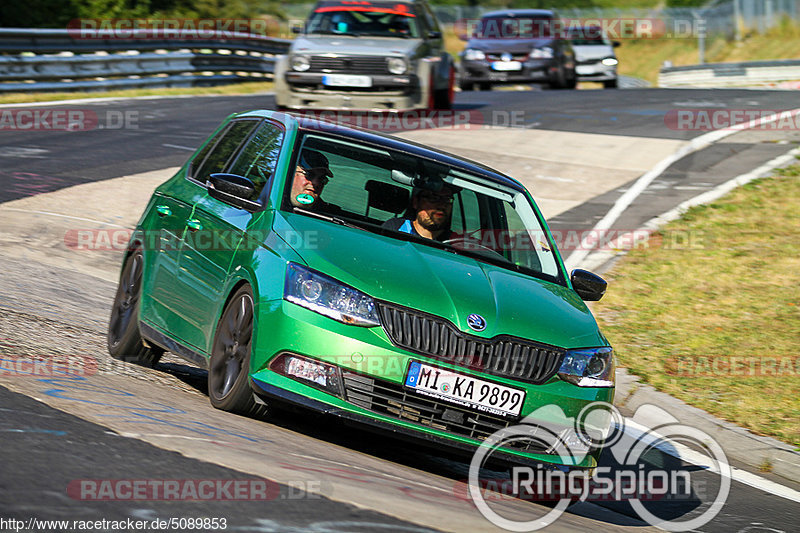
(738, 443)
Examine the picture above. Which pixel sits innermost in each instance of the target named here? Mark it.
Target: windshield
(379, 19)
(407, 197)
(514, 28)
(588, 36)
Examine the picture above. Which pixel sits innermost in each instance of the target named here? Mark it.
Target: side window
(258, 158)
(197, 162)
(430, 18)
(224, 150)
(466, 213)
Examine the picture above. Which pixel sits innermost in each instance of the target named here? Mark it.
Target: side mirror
(434, 35)
(233, 190)
(589, 286)
(616, 44)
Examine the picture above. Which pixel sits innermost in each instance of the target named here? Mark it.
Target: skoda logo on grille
(476, 322)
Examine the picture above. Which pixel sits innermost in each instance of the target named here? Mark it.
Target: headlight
(610, 61)
(589, 367)
(397, 65)
(541, 53)
(474, 55)
(300, 63)
(326, 296)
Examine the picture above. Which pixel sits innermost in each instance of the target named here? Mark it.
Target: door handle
(163, 210)
(194, 225)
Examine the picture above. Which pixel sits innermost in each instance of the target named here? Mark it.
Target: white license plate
(506, 65)
(586, 69)
(346, 80)
(464, 390)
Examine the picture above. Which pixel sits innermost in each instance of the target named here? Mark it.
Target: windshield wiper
(329, 218)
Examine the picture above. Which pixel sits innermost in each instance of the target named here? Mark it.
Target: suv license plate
(346, 80)
(464, 390)
(506, 65)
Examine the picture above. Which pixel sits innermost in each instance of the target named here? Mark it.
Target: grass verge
(711, 315)
(232, 89)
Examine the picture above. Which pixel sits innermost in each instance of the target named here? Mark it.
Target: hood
(512, 46)
(584, 52)
(444, 284)
(344, 44)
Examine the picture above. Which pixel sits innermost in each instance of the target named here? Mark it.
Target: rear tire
(443, 98)
(229, 365)
(467, 86)
(610, 84)
(485, 86)
(124, 340)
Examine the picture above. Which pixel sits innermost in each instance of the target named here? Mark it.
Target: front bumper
(387, 93)
(531, 71)
(367, 352)
(595, 72)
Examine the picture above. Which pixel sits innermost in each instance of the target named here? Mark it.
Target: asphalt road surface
(128, 423)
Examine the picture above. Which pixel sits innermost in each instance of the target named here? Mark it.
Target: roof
(520, 13)
(396, 143)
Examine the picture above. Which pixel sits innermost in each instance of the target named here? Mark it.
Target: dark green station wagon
(397, 287)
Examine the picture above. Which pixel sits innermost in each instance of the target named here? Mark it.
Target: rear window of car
(380, 19)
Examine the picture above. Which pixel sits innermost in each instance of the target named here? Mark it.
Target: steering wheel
(470, 243)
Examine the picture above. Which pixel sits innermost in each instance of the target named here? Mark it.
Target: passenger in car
(428, 215)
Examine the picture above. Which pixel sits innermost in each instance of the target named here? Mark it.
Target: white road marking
(577, 257)
(688, 455)
(179, 147)
(61, 216)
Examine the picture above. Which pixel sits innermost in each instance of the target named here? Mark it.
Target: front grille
(514, 57)
(350, 65)
(505, 356)
(393, 400)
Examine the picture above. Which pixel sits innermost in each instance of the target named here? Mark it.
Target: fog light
(309, 371)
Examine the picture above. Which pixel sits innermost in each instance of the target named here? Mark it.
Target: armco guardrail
(751, 73)
(64, 60)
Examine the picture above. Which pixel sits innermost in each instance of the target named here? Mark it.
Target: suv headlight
(300, 63)
(470, 54)
(397, 65)
(610, 61)
(544, 52)
(326, 296)
(589, 367)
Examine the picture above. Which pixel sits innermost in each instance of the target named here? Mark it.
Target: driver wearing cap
(310, 177)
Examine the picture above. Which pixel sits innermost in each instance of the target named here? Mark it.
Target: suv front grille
(393, 400)
(351, 65)
(505, 356)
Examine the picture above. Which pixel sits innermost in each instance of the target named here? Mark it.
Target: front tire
(611, 84)
(229, 365)
(124, 340)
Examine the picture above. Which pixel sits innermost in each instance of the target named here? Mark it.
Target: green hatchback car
(398, 287)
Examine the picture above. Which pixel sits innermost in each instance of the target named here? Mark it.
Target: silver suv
(378, 56)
